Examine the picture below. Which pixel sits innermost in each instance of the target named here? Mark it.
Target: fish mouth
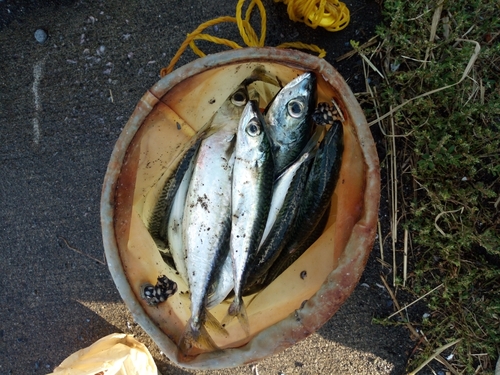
(306, 82)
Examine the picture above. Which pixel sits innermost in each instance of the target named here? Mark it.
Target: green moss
(453, 145)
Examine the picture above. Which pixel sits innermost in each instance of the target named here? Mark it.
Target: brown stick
(80, 252)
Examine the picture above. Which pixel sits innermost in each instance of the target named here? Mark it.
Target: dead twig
(380, 242)
(469, 66)
(444, 213)
(396, 304)
(418, 299)
(435, 20)
(350, 54)
(412, 329)
(436, 353)
(80, 252)
(405, 257)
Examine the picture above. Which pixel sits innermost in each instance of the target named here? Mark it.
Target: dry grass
(436, 227)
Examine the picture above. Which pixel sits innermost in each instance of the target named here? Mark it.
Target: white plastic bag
(115, 354)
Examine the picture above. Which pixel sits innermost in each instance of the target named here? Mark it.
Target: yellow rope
(296, 9)
(332, 15)
(311, 47)
(246, 30)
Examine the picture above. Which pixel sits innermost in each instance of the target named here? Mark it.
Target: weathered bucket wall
(167, 120)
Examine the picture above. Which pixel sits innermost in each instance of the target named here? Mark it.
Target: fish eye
(295, 108)
(253, 128)
(239, 98)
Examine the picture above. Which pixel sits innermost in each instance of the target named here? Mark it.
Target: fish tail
(237, 309)
(214, 325)
(196, 337)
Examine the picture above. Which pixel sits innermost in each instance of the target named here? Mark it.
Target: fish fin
(227, 319)
(243, 319)
(196, 337)
(312, 144)
(212, 323)
(237, 309)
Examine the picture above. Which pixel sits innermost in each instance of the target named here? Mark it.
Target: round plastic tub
(166, 121)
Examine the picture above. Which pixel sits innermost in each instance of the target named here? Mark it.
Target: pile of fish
(247, 199)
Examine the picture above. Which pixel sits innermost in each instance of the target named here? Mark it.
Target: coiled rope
(332, 15)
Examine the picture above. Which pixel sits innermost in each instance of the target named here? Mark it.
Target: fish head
(229, 114)
(251, 135)
(288, 116)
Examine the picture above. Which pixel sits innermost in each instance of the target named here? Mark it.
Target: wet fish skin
(286, 259)
(157, 224)
(205, 227)
(207, 219)
(222, 284)
(287, 193)
(251, 197)
(174, 222)
(315, 204)
(288, 119)
(320, 185)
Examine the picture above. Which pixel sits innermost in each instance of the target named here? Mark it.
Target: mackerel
(222, 284)
(320, 185)
(251, 198)
(289, 121)
(285, 202)
(157, 224)
(206, 222)
(174, 224)
(286, 259)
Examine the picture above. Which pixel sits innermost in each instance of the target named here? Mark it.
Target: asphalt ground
(63, 104)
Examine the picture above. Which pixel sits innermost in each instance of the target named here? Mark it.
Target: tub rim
(340, 282)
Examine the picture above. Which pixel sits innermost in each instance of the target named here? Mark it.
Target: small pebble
(40, 36)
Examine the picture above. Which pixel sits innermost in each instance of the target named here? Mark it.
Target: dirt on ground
(63, 104)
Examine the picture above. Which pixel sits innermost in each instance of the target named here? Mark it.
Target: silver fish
(206, 222)
(283, 182)
(251, 197)
(223, 283)
(288, 119)
(174, 224)
(206, 225)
